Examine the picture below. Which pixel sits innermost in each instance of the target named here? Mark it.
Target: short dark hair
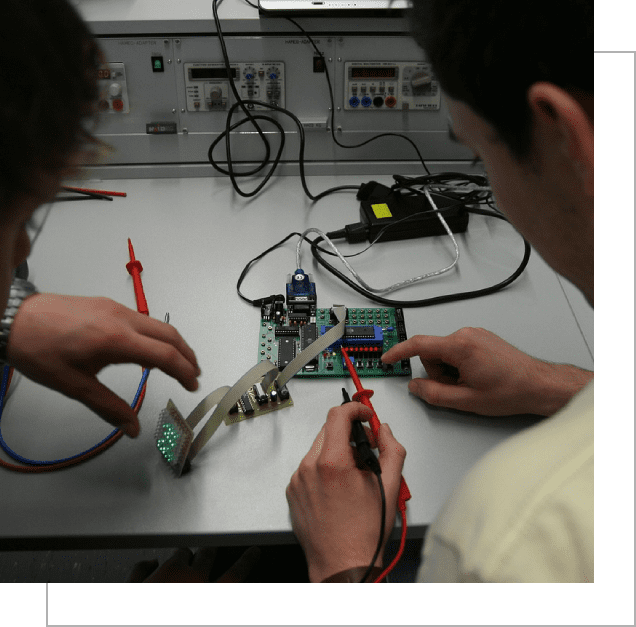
(487, 54)
(48, 71)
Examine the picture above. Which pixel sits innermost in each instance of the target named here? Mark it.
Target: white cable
(396, 286)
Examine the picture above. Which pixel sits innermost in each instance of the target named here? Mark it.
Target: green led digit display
(167, 443)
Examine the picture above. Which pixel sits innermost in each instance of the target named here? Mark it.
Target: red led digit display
(104, 73)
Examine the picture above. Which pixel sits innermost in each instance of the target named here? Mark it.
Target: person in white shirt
(520, 95)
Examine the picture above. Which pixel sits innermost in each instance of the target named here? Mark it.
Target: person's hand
(62, 342)
(475, 370)
(335, 507)
(186, 567)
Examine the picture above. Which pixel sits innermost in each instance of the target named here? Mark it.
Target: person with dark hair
(49, 72)
(520, 95)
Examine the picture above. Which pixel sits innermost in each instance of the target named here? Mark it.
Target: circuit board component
(173, 437)
(257, 392)
(369, 332)
(258, 401)
(301, 297)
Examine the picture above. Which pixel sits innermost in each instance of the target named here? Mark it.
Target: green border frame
(609, 601)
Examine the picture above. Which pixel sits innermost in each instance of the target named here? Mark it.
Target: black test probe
(367, 457)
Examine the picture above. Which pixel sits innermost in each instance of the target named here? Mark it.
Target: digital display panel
(373, 72)
(205, 73)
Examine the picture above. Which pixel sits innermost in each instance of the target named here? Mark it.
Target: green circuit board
(369, 333)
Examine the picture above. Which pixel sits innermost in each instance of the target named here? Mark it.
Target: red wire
(404, 494)
(78, 460)
(398, 556)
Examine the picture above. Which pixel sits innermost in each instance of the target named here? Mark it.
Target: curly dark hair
(487, 53)
(48, 71)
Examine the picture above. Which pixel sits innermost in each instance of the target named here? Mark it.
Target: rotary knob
(421, 80)
(114, 89)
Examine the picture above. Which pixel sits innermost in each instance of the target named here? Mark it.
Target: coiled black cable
(250, 117)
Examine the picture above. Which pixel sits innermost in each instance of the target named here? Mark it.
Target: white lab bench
(193, 236)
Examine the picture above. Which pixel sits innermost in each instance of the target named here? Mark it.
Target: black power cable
(245, 106)
(382, 525)
(367, 460)
(436, 300)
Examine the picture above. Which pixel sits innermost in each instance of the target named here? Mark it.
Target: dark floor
(114, 566)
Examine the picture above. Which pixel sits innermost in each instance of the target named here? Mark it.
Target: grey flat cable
(228, 399)
(225, 397)
(265, 369)
(396, 286)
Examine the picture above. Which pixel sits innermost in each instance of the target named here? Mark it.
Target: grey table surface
(193, 237)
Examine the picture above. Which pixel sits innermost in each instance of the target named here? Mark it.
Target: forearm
(354, 575)
(348, 565)
(558, 383)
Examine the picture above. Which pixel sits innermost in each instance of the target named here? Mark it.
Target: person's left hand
(186, 567)
(62, 342)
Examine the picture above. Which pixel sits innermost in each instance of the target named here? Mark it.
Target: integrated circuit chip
(287, 331)
(286, 351)
(247, 404)
(357, 336)
(308, 335)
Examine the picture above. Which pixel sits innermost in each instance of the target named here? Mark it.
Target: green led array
(167, 443)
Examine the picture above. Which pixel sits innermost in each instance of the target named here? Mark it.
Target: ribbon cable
(227, 397)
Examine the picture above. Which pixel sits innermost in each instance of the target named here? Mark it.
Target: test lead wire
(404, 493)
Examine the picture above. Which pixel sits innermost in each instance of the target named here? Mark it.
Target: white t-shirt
(525, 511)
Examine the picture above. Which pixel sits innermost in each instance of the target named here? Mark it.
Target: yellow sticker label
(382, 211)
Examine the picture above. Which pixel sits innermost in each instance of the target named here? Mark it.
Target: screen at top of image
(373, 72)
(202, 73)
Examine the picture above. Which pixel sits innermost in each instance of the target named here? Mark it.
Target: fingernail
(386, 426)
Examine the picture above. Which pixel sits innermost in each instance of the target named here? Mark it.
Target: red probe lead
(363, 396)
(135, 269)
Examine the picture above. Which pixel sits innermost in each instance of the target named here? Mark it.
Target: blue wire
(24, 460)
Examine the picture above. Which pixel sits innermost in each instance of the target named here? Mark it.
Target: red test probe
(135, 269)
(362, 396)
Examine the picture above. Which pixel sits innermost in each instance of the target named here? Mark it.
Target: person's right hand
(475, 370)
(335, 506)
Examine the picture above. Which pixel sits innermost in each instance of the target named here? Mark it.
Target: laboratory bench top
(193, 237)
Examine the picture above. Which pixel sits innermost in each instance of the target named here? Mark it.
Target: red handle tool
(135, 269)
(363, 396)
